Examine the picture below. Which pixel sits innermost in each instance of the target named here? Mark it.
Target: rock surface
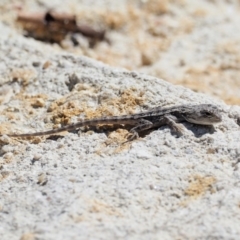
(86, 184)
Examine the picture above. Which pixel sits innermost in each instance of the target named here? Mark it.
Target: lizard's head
(204, 114)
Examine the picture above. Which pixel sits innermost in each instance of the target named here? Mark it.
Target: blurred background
(194, 43)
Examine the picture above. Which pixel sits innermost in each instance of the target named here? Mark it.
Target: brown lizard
(202, 114)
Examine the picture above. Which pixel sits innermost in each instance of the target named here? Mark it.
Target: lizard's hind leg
(143, 124)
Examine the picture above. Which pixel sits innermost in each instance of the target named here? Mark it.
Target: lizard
(201, 114)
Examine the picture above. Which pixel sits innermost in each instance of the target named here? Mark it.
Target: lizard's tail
(92, 122)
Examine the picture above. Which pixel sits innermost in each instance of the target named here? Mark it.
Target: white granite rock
(87, 185)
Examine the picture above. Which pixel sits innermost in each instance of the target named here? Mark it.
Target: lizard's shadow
(198, 130)
(55, 137)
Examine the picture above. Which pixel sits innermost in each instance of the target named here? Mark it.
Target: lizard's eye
(206, 113)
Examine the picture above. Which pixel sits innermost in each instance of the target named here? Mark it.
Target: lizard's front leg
(170, 120)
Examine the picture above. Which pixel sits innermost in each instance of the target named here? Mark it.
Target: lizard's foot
(134, 135)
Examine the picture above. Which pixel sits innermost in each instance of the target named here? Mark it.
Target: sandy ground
(86, 184)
